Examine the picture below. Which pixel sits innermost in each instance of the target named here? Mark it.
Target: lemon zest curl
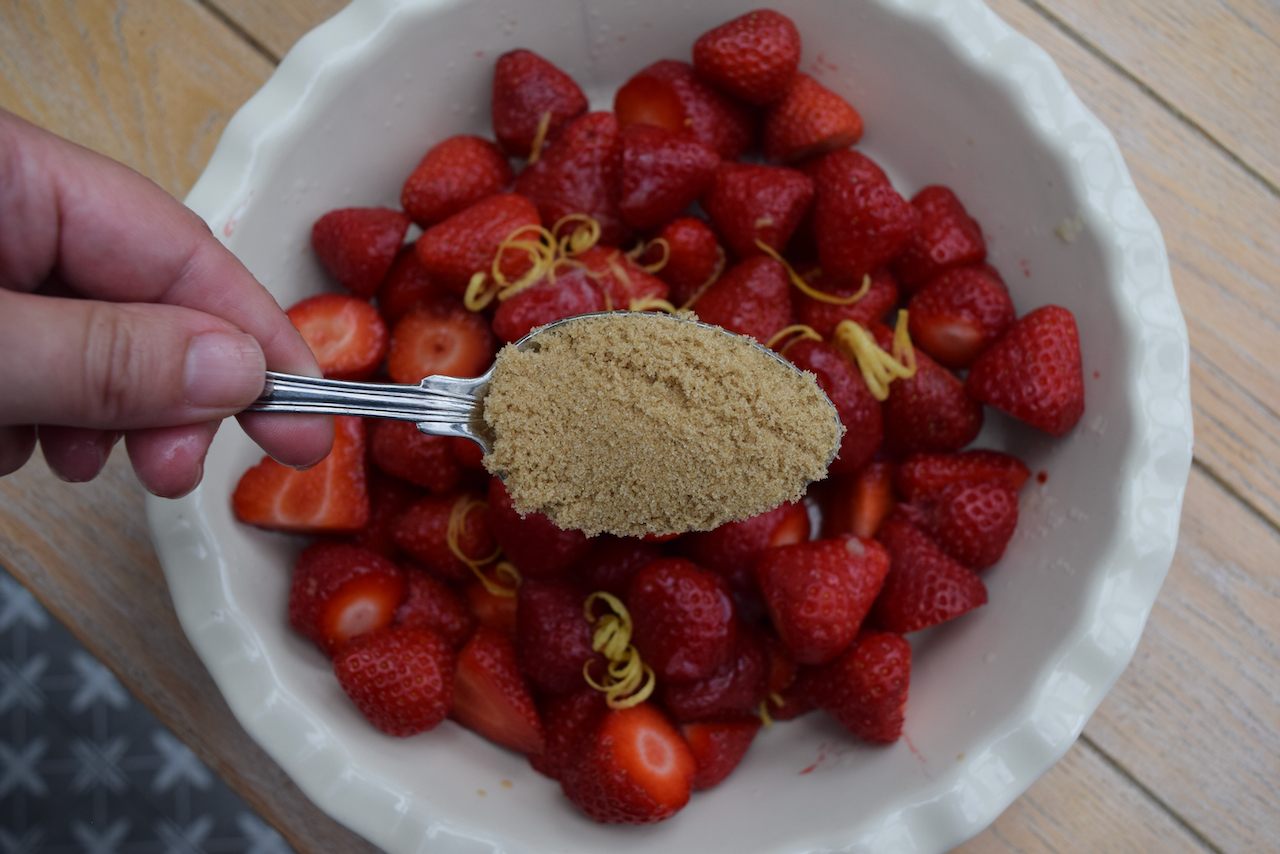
(878, 367)
(627, 681)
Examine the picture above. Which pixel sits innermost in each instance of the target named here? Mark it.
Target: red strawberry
(491, 609)
(808, 121)
(358, 245)
(958, 314)
(439, 338)
(533, 542)
(572, 292)
(857, 504)
(692, 254)
(948, 237)
(339, 591)
(526, 87)
(454, 175)
(865, 689)
(785, 701)
(971, 521)
(929, 412)
(346, 334)
(859, 411)
(399, 448)
(469, 454)
(491, 698)
(388, 497)
(750, 201)
(433, 605)
(752, 298)
(924, 586)
(735, 687)
(634, 768)
(614, 561)
(818, 593)
(332, 496)
(621, 281)
(732, 548)
(457, 248)
(568, 719)
(926, 474)
(421, 531)
(718, 747)
(399, 677)
(753, 57)
(870, 308)
(581, 173)
(662, 174)
(684, 619)
(553, 637)
(1033, 371)
(670, 94)
(406, 285)
(859, 220)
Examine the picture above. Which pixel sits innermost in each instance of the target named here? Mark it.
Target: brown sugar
(640, 423)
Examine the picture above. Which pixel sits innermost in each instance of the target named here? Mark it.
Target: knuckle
(114, 372)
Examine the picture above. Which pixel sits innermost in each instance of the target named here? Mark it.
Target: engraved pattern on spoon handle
(452, 401)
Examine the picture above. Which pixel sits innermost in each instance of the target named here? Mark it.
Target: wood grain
(276, 26)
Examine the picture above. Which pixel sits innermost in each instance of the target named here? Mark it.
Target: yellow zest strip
(453, 534)
(878, 368)
(798, 332)
(547, 250)
(808, 289)
(641, 248)
(628, 681)
(582, 238)
(651, 304)
(775, 698)
(480, 292)
(539, 137)
(711, 280)
(541, 254)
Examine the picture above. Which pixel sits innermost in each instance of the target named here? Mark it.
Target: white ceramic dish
(950, 95)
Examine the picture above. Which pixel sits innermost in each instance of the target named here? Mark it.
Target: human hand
(121, 314)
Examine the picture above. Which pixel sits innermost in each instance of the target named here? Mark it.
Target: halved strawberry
(808, 121)
(718, 747)
(972, 521)
(491, 697)
(857, 504)
(752, 298)
(751, 201)
(431, 604)
(440, 338)
(823, 317)
(453, 175)
(346, 334)
(684, 621)
(553, 637)
(330, 497)
(670, 94)
(859, 411)
(735, 687)
(572, 292)
(399, 677)
(865, 689)
(959, 313)
(526, 89)
(406, 285)
(634, 768)
(1033, 372)
(692, 255)
(931, 411)
(924, 586)
(532, 542)
(358, 245)
(339, 591)
(466, 243)
(662, 174)
(753, 57)
(948, 237)
(925, 474)
(422, 529)
(399, 448)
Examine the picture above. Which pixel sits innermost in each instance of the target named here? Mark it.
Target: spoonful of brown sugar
(624, 422)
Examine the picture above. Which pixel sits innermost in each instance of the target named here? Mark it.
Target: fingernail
(223, 370)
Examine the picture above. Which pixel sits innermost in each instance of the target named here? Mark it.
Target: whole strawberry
(400, 449)
(433, 605)
(553, 637)
(859, 411)
(527, 88)
(948, 237)
(358, 245)
(971, 521)
(692, 254)
(466, 243)
(924, 474)
(684, 623)
(453, 175)
(865, 689)
(931, 411)
(869, 309)
(399, 677)
(751, 201)
(670, 94)
(808, 121)
(422, 532)
(532, 542)
(925, 585)
(752, 298)
(752, 57)
(718, 746)
(737, 686)
(662, 173)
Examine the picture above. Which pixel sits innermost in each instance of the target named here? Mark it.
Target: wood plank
(276, 26)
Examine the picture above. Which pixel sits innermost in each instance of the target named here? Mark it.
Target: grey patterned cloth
(85, 769)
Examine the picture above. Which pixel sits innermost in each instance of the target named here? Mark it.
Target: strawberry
(421, 531)
(494, 610)
(399, 677)
(870, 308)
(533, 542)
(339, 591)
(469, 454)
(857, 504)
(452, 176)
(491, 698)
(752, 298)
(959, 313)
(572, 292)
(662, 173)
(732, 548)
(925, 474)
(431, 604)
(750, 201)
(859, 411)
(754, 57)
(614, 561)
(346, 334)
(619, 278)
(464, 244)
(633, 768)
(859, 220)
(737, 686)
(948, 237)
(971, 521)
(358, 245)
(1033, 371)
(931, 411)
(439, 338)
(526, 87)
(400, 449)
(581, 173)
(684, 619)
(388, 497)
(553, 637)
(406, 285)
(692, 254)
(818, 593)
(718, 747)
(924, 586)
(865, 689)
(332, 496)
(808, 121)
(568, 719)
(670, 94)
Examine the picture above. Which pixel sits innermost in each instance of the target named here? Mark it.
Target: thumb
(115, 366)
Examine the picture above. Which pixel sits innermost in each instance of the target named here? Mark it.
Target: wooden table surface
(1184, 753)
